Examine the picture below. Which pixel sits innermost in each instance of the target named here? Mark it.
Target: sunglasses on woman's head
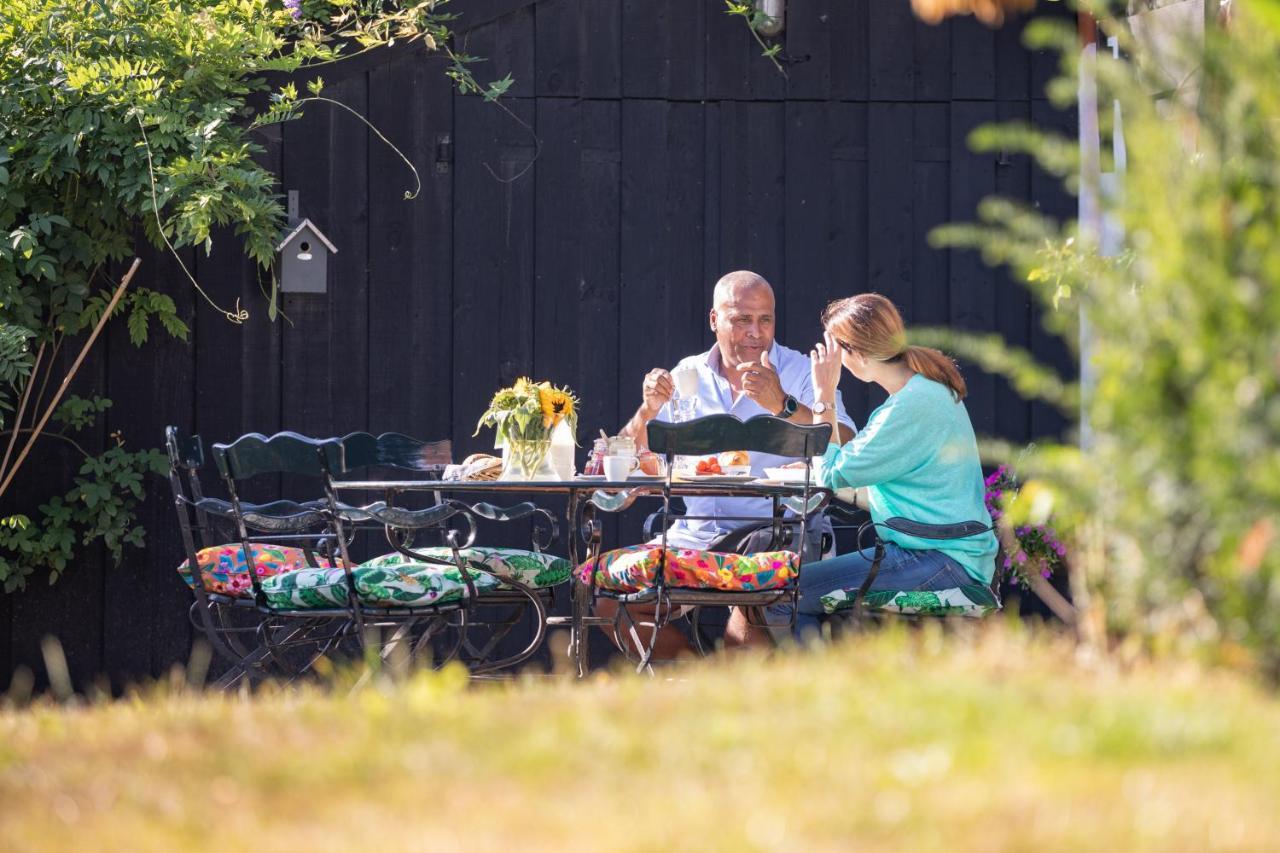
(846, 346)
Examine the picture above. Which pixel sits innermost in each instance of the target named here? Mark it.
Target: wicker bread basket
(481, 466)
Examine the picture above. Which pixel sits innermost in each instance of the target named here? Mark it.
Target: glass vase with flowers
(524, 417)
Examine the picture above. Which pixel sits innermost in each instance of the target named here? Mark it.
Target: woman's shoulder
(922, 394)
(920, 389)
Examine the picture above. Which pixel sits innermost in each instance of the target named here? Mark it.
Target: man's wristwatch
(789, 407)
(820, 408)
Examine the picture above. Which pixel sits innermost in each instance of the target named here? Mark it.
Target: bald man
(746, 373)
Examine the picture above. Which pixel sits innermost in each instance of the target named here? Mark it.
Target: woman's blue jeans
(901, 569)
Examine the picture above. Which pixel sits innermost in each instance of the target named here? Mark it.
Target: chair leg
(695, 630)
(435, 626)
(758, 617)
(539, 631)
(579, 645)
(644, 653)
(501, 629)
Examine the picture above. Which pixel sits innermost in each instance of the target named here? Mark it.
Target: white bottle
(562, 450)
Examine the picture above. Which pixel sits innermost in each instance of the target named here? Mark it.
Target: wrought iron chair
(854, 607)
(674, 578)
(294, 613)
(216, 571)
(525, 579)
(734, 541)
(422, 594)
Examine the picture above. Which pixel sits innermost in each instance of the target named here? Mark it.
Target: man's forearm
(638, 428)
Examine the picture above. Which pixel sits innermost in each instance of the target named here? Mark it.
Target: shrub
(1173, 494)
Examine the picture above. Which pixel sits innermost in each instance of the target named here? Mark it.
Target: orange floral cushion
(224, 571)
(635, 567)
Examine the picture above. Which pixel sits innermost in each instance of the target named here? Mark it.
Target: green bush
(127, 117)
(1174, 491)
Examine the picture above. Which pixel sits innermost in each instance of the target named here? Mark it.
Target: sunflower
(528, 410)
(557, 404)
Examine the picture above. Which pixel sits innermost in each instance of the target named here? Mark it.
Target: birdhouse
(304, 259)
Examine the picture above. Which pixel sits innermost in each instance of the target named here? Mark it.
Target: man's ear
(713, 319)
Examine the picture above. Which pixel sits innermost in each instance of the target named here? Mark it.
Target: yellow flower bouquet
(524, 417)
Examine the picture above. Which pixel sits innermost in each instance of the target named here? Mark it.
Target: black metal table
(583, 495)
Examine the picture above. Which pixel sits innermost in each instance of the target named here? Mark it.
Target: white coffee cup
(686, 379)
(617, 468)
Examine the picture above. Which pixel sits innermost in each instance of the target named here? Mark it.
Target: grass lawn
(969, 741)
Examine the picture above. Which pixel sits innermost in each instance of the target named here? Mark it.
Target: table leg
(580, 593)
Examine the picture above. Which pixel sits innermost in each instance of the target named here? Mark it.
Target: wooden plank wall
(573, 233)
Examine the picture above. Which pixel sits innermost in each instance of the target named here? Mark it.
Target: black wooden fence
(572, 234)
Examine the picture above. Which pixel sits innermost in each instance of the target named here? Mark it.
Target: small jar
(621, 445)
(595, 460)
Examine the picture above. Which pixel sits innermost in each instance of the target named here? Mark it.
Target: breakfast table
(584, 496)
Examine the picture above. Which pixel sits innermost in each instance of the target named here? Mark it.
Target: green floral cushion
(404, 585)
(968, 600)
(530, 568)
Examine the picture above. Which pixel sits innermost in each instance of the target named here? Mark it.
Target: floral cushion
(968, 600)
(406, 584)
(224, 571)
(530, 568)
(634, 568)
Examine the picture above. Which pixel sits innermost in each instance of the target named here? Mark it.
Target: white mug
(618, 468)
(686, 382)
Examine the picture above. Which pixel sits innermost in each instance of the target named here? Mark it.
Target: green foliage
(15, 363)
(76, 413)
(755, 18)
(128, 118)
(100, 507)
(1175, 491)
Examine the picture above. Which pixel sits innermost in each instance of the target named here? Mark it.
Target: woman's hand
(824, 366)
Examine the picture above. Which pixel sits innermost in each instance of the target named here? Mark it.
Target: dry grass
(924, 741)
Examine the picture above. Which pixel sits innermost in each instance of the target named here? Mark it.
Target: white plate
(641, 477)
(786, 475)
(721, 478)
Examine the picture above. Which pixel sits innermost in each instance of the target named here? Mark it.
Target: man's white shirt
(716, 397)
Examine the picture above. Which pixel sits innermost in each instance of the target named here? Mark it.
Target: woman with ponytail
(917, 456)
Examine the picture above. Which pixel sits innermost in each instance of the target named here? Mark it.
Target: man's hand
(760, 382)
(658, 389)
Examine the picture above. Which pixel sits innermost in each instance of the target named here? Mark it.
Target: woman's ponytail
(934, 364)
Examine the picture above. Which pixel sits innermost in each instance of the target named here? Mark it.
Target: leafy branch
(755, 18)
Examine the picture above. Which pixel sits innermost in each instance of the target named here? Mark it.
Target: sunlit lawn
(963, 741)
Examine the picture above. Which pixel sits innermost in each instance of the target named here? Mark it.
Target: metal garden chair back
(231, 623)
(401, 525)
(207, 612)
(716, 434)
(858, 605)
(306, 524)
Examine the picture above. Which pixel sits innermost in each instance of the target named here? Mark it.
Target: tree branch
(66, 380)
(22, 406)
(48, 372)
(68, 439)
